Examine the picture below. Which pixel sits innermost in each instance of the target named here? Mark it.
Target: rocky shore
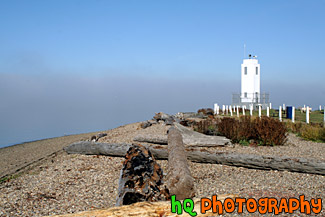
(56, 183)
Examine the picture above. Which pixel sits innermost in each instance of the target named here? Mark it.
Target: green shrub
(316, 124)
(294, 127)
(244, 142)
(322, 134)
(311, 133)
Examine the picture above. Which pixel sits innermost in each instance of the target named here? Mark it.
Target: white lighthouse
(250, 94)
(250, 81)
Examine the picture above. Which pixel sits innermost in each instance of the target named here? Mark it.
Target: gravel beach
(62, 183)
(19, 157)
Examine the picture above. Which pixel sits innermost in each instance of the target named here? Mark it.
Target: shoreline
(42, 139)
(17, 157)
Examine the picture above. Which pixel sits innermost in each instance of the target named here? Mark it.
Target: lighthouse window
(245, 70)
(245, 94)
(256, 70)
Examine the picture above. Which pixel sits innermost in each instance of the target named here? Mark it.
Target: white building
(250, 81)
(250, 94)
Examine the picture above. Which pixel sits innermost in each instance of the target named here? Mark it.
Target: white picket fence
(230, 109)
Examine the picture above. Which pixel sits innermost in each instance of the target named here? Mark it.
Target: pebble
(73, 183)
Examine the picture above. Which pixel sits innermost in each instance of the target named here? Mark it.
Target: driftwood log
(168, 119)
(141, 178)
(152, 138)
(179, 179)
(112, 149)
(293, 164)
(95, 138)
(146, 209)
(190, 138)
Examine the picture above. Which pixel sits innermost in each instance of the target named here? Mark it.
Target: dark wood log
(179, 179)
(141, 178)
(293, 164)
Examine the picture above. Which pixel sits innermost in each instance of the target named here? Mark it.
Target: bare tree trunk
(112, 149)
(292, 164)
(190, 138)
(196, 139)
(152, 138)
(179, 179)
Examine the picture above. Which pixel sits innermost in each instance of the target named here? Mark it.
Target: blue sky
(77, 66)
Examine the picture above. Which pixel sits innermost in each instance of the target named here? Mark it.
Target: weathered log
(168, 119)
(190, 138)
(179, 179)
(292, 164)
(145, 124)
(141, 178)
(100, 135)
(146, 209)
(193, 141)
(95, 138)
(152, 138)
(112, 149)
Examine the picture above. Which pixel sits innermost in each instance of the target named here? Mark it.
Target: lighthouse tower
(250, 81)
